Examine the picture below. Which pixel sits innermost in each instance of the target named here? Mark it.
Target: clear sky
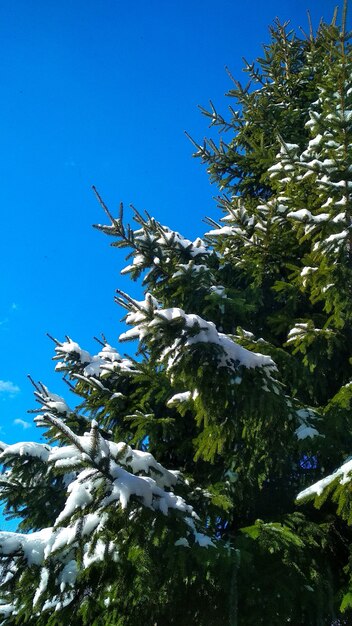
(100, 92)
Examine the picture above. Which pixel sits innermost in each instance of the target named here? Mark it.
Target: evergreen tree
(178, 488)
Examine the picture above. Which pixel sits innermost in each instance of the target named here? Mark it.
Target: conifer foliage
(197, 482)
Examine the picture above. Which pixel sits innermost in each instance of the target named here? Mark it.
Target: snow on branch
(150, 322)
(50, 401)
(101, 365)
(342, 475)
(107, 475)
(153, 246)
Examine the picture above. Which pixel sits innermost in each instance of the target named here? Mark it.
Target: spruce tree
(180, 486)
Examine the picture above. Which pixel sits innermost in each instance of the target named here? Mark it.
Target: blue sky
(100, 92)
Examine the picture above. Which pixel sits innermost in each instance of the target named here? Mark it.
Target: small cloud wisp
(6, 386)
(23, 423)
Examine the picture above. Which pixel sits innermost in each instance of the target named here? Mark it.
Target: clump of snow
(52, 401)
(148, 319)
(99, 552)
(68, 575)
(227, 231)
(32, 545)
(43, 584)
(303, 432)
(298, 331)
(101, 365)
(203, 540)
(182, 542)
(7, 609)
(179, 398)
(343, 473)
(301, 329)
(26, 448)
